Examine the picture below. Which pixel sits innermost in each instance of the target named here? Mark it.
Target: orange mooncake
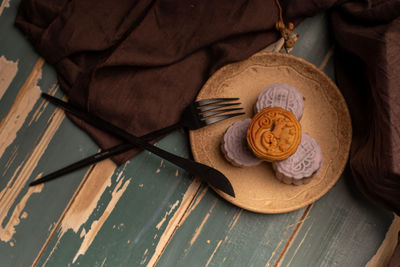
(273, 134)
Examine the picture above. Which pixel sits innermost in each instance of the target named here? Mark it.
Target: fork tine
(212, 120)
(212, 107)
(213, 101)
(216, 112)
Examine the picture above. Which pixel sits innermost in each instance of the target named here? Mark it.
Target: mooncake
(281, 95)
(234, 145)
(273, 134)
(300, 167)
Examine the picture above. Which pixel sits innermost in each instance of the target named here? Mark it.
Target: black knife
(210, 175)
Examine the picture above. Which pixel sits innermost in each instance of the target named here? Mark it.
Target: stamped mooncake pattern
(234, 145)
(281, 95)
(274, 134)
(301, 166)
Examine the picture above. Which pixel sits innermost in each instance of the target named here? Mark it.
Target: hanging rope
(286, 31)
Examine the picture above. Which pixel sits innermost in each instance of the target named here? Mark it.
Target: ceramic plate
(326, 118)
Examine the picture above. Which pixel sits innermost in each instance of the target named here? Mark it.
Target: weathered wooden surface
(148, 212)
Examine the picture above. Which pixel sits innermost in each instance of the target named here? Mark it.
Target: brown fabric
(137, 64)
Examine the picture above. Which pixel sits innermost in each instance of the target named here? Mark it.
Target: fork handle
(105, 154)
(121, 148)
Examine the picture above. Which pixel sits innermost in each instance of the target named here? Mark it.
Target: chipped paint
(326, 58)
(97, 224)
(158, 171)
(121, 171)
(276, 249)
(88, 197)
(158, 226)
(10, 160)
(18, 181)
(83, 232)
(144, 258)
(21, 176)
(24, 103)
(175, 221)
(194, 205)
(215, 250)
(291, 238)
(199, 198)
(84, 201)
(8, 69)
(198, 229)
(8, 231)
(297, 223)
(3, 5)
(51, 226)
(104, 261)
(119, 176)
(24, 215)
(301, 243)
(43, 104)
(386, 250)
(235, 219)
(177, 173)
(47, 259)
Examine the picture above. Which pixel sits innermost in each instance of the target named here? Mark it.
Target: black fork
(195, 116)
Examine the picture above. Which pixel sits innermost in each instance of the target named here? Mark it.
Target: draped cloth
(137, 64)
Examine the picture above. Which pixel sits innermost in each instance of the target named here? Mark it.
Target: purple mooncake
(234, 145)
(281, 95)
(300, 167)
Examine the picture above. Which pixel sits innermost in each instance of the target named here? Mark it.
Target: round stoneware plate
(325, 118)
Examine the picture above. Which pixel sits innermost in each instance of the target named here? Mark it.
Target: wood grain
(8, 70)
(30, 143)
(147, 212)
(134, 228)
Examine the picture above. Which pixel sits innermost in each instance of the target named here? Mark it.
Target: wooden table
(147, 212)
